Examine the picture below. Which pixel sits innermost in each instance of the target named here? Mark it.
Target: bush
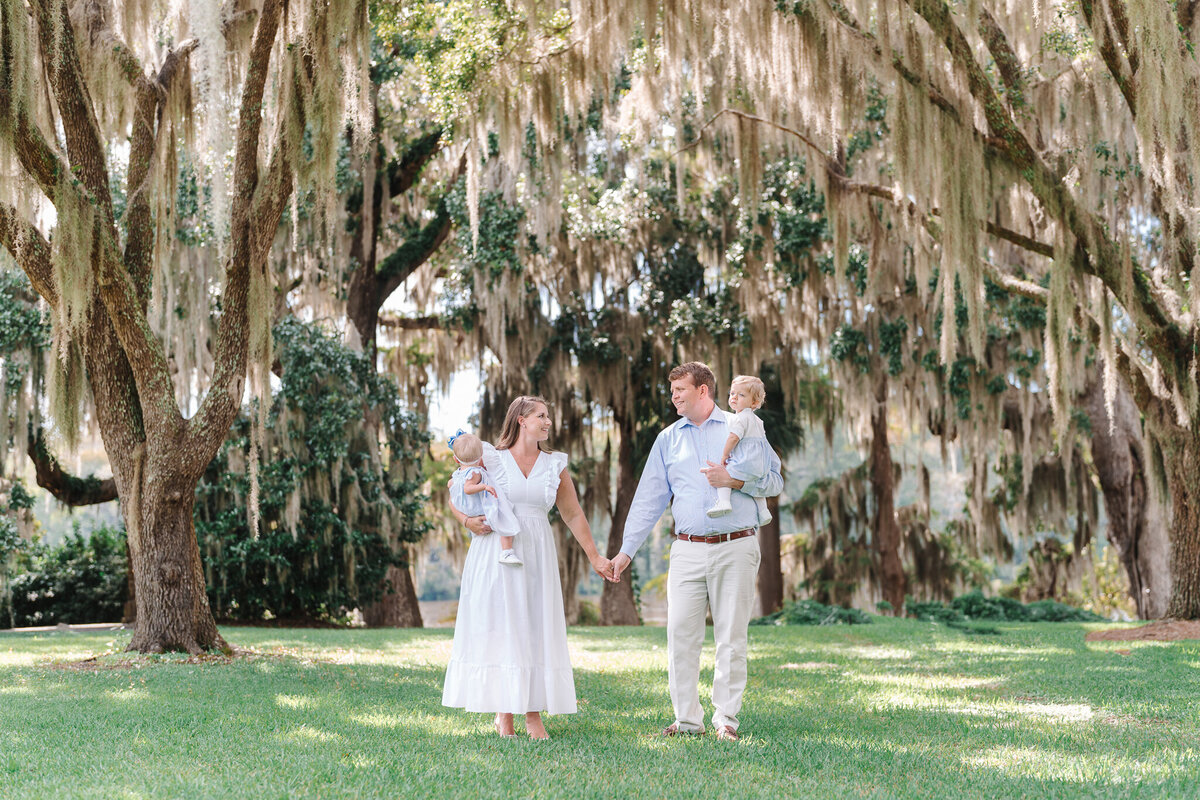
(810, 612)
(84, 579)
(339, 490)
(974, 606)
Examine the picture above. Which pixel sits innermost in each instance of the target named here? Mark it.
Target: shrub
(974, 606)
(810, 612)
(84, 579)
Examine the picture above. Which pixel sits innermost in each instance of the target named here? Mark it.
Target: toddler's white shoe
(720, 510)
(764, 514)
(509, 559)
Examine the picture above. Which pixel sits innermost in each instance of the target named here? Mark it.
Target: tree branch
(416, 250)
(30, 250)
(427, 323)
(1162, 334)
(66, 488)
(210, 423)
(1006, 59)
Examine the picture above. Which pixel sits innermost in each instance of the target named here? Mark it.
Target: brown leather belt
(715, 538)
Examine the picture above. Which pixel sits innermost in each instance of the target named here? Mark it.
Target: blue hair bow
(450, 441)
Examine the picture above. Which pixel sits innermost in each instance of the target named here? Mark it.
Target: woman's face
(537, 424)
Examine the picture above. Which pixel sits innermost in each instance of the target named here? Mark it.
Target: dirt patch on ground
(128, 661)
(1166, 630)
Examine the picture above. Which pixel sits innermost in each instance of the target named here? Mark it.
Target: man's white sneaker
(509, 559)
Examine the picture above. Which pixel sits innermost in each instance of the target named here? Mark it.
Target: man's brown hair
(700, 374)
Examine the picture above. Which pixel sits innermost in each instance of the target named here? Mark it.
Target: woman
(510, 637)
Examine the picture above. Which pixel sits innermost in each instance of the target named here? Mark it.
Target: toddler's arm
(730, 443)
(475, 485)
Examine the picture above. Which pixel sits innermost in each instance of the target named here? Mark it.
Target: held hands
(602, 567)
(619, 563)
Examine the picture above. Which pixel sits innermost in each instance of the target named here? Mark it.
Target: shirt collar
(716, 414)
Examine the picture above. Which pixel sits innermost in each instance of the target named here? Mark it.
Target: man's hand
(619, 563)
(719, 477)
(478, 525)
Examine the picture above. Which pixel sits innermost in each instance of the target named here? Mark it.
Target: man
(714, 561)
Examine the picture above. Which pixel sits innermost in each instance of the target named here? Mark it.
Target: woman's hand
(602, 567)
(478, 525)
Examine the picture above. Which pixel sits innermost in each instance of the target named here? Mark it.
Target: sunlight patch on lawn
(877, 652)
(1028, 762)
(297, 701)
(306, 734)
(925, 680)
(1063, 713)
(16, 690)
(128, 694)
(980, 647)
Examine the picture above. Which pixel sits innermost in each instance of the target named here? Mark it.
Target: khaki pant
(721, 576)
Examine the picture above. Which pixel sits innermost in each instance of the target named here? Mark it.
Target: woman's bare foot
(534, 726)
(504, 725)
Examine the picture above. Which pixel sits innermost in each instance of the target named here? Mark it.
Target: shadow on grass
(897, 712)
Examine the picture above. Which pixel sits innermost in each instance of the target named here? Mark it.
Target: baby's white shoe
(720, 509)
(509, 559)
(764, 514)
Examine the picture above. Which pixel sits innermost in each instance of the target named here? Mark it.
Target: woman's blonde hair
(467, 448)
(754, 387)
(523, 406)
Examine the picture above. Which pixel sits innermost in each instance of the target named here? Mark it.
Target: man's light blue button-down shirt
(673, 473)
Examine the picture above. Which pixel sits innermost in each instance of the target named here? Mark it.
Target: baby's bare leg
(506, 542)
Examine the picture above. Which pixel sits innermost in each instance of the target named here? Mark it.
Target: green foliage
(850, 344)
(810, 612)
(975, 606)
(335, 510)
(84, 579)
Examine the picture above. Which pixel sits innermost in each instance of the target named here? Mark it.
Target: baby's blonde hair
(754, 386)
(467, 448)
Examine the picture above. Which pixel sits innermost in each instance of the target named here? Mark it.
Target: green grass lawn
(893, 709)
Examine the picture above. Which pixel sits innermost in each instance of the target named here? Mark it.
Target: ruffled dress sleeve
(493, 462)
(555, 464)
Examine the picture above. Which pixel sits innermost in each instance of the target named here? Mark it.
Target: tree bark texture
(171, 601)
(617, 605)
(885, 528)
(770, 568)
(398, 607)
(1181, 460)
(1137, 517)
(369, 289)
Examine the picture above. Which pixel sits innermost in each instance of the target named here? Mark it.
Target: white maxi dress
(510, 635)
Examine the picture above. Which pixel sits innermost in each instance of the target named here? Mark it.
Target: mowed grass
(894, 709)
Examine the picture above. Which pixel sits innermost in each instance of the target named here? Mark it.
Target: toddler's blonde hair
(754, 386)
(467, 448)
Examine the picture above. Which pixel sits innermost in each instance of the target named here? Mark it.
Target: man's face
(687, 397)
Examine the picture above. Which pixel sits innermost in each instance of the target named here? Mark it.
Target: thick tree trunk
(1181, 458)
(398, 608)
(885, 528)
(172, 604)
(770, 568)
(572, 567)
(617, 606)
(1137, 517)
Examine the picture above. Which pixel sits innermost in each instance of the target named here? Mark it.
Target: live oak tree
(77, 80)
(1063, 130)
